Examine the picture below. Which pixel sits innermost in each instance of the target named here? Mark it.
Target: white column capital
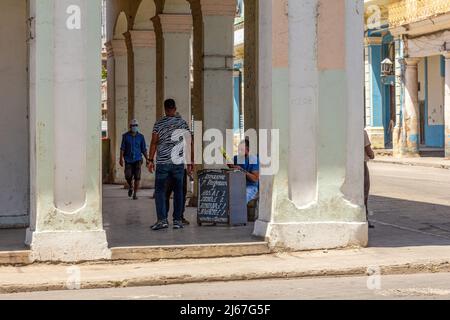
(411, 62)
(116, 48)
(446, 55)
(143, 39)
(176, 23)
(218, 7)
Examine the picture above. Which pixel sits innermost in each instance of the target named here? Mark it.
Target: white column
(144, 49)
(177, 33)
(120, 107)
(313, 97)
(218, 20)
(65, 120)
(447, 104)
(410, 126)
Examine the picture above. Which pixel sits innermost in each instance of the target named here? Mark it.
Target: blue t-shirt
(133, 147)
(250, 164)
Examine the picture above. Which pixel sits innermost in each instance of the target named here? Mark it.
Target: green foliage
(104, 73)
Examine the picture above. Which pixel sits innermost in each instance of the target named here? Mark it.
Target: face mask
(135, 129)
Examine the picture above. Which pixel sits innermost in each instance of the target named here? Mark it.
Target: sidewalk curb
(413, 164)
(407, 268)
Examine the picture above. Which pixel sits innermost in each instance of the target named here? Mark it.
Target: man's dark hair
(247, 143)
(170, 104)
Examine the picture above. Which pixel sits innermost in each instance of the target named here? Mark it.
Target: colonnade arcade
(309, 87)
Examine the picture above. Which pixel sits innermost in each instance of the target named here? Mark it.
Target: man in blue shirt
(249, 164)
(131, 152)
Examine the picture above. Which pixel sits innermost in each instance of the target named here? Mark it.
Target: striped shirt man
(170, 131)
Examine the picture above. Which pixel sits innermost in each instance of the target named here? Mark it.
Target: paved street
(422, 286)
(410, 206)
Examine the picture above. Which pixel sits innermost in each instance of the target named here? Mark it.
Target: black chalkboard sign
(213, 197)
(222, 197)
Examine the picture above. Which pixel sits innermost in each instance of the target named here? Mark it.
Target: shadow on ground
(404, 223)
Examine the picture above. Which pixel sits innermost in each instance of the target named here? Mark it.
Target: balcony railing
(409, 11)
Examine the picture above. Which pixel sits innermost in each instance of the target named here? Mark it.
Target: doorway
(14, 124)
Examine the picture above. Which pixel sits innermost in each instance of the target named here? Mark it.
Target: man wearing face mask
(131, 152)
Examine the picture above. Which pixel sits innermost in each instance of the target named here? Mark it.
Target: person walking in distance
(131, 152)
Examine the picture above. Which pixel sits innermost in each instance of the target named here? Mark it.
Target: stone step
(154, 253)
(15, 257)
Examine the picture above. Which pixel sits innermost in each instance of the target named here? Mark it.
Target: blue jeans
(163, 173)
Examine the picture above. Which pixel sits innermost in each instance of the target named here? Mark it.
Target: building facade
(310, 95)
(407, 79)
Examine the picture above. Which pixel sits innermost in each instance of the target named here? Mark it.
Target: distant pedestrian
(131, 152)
(368, 155)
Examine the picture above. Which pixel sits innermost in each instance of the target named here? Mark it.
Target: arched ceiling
(145, 12)
(121, 26)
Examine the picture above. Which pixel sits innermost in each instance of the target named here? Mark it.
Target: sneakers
(178, 225)
(164, 225)
(160, 225)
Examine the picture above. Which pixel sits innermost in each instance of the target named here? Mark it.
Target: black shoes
(160, 225)
(130, 193)
(178, 225)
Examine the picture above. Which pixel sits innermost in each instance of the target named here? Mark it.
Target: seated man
(250, 166)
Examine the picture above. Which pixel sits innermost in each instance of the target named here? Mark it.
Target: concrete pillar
(130, 70)
(177, 33)
(218, 21)
(447, 104)
(374, 97)
(118, 119)
(315, 199)
(399, 96)
(197, 56)
(65, 99)
(410, 139)
(144, 49)
(251, 65)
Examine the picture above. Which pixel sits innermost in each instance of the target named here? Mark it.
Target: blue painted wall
(375, 56)
(442, 67)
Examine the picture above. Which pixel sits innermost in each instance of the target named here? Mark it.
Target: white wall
(14, 146)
